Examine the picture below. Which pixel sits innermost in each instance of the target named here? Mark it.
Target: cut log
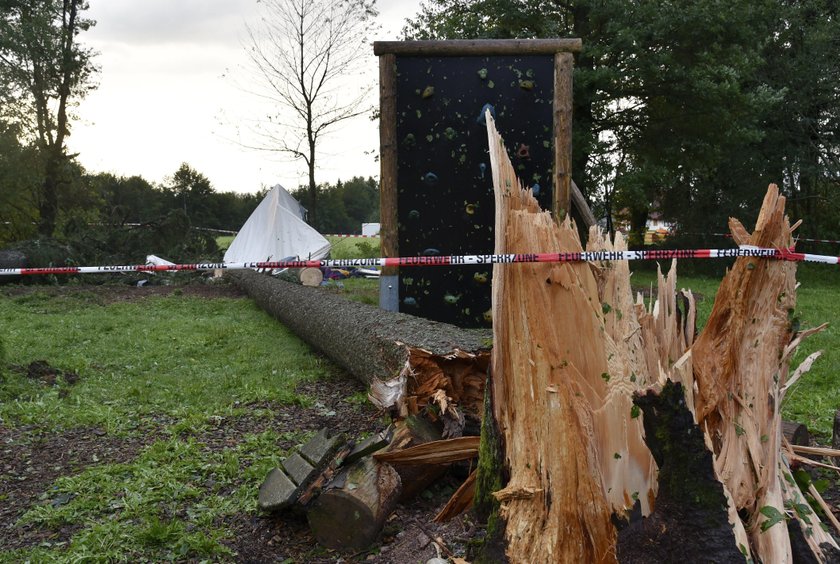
(390, 351)
(302, 473)
(408, 433)
(796, 433)
(350, 513)
(835, 436)
(311, 276)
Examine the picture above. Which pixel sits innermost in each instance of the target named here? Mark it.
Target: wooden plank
(579, 203)
(320, 447)
(373, 443)
(563, 66)
(299, 470)
(480, 47)
(276, 492)
(389, 298)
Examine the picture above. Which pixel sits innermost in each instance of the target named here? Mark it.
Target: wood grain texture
(467, 47)
(563, 67)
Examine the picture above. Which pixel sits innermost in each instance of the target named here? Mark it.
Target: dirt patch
(48, 375)
(113, 293)
(33, 459)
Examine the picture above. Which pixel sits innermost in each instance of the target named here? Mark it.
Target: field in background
(354, 247)
(342, 247)
(224, 241)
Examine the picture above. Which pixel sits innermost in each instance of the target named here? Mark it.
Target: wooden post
(388, 284)
(563, 66)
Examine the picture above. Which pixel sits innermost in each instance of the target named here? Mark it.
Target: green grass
(184, 357)
(224, 241)
(815, 398)
(181, 360)
(354, 247)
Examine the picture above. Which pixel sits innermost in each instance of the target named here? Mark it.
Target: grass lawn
(816, 397)
(189, 392)
(354, 247)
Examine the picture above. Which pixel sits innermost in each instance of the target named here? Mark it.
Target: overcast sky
(170, 92)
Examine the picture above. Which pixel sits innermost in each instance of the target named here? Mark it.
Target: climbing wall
(444, 185)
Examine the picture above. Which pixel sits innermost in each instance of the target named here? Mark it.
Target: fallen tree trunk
(398, 355)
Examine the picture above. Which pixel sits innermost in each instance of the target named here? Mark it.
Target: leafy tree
(20, 175)
(345, 205)
(192, 190)
(44, 71)
(301, 52)
(667, 94)
(802, 145)
(128, 200)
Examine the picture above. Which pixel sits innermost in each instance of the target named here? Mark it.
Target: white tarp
(276, 230)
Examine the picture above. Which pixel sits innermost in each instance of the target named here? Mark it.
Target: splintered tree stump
(351, 511)
(690, 521)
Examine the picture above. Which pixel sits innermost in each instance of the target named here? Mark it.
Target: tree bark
(378, 347)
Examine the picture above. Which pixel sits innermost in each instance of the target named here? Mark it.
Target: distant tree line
(688, 108)
(344, 206)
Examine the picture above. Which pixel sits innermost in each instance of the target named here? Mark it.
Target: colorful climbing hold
(431, 252)
(535, 189)
(428, 92)
(483, 168)
(430, 178)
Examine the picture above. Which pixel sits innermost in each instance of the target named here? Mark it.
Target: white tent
(276, 230)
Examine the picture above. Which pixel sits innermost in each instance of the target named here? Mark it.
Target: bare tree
(304, 52)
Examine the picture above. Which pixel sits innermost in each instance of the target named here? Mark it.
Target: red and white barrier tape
(460, 260)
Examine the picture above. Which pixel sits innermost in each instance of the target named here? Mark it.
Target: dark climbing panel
(444, 184)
